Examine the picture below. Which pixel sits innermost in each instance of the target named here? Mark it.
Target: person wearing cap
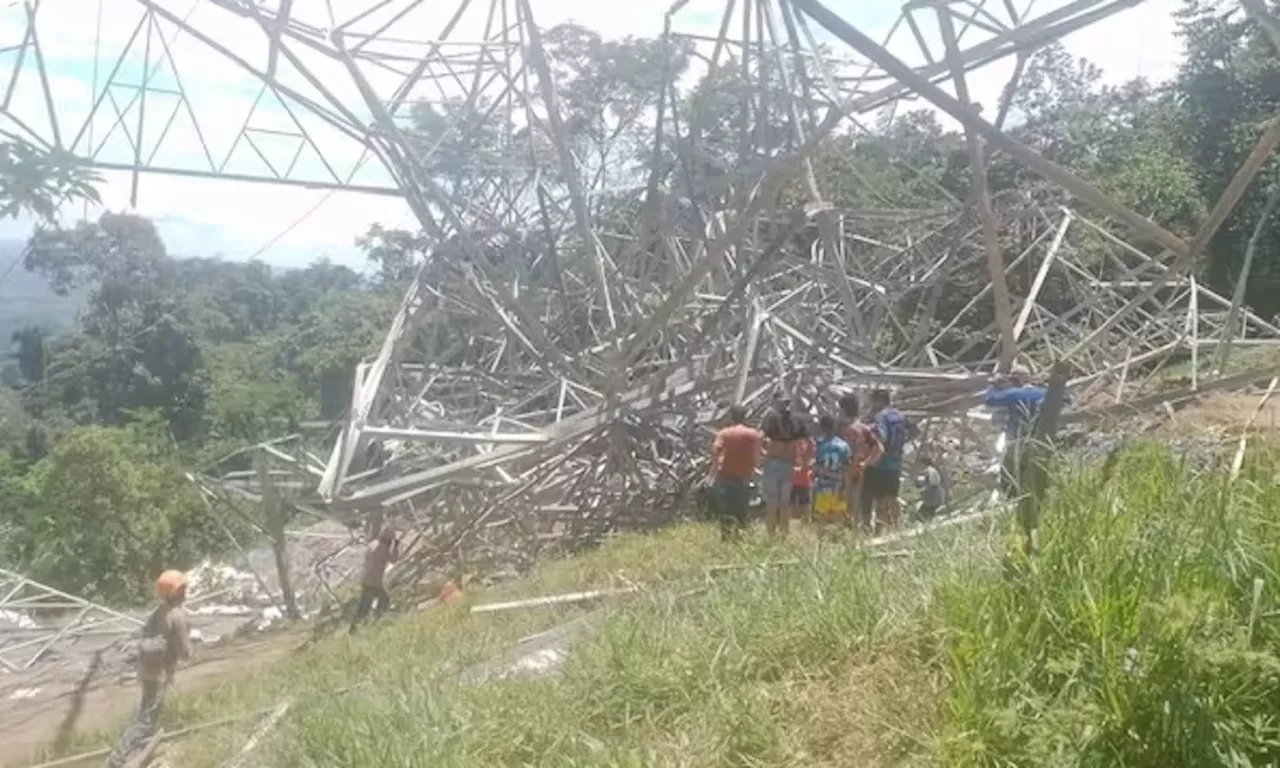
(165, 641)
(373, 591)
(783, 433)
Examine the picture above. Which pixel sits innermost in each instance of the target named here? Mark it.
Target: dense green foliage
(171, 363)
(212, 354)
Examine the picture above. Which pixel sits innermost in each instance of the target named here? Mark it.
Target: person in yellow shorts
(831, 458)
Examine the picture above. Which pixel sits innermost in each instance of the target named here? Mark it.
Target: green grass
(1132, 639)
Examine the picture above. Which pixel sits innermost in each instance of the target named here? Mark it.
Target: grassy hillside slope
(1144, 634)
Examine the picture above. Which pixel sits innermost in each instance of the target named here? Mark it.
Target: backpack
(150, 647)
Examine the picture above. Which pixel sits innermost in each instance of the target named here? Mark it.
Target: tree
(1227, 92)
(36, 182)
(106, 511)
(30, 354)
(137, 348)
(396, 252)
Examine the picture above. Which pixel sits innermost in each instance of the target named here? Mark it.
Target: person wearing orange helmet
(166, 641)
(373, 591)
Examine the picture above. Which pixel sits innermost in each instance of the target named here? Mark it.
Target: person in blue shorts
(883, 479)
(783, 433)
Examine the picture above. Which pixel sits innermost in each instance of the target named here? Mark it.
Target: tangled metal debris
(555, 365)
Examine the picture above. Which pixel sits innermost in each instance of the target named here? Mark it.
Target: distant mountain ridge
(26, 299)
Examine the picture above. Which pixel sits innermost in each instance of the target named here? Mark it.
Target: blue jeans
(775, 482)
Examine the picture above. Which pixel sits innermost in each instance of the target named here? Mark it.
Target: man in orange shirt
(735, 455)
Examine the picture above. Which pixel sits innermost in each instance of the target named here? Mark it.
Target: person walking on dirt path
(735, 456)
(165, 641)
(883, 479)
(782, 434)
(832, 457)
(866, 450)
(373, 591)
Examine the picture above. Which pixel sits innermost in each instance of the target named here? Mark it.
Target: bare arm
(877, 450)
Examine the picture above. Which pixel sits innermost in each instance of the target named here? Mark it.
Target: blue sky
(239, 219)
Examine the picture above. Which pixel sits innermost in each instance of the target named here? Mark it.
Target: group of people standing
(849, 470)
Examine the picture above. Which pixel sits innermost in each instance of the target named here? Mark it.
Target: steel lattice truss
(572, 330)
(35, 619)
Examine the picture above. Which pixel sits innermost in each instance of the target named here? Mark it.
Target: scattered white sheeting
(16, 620)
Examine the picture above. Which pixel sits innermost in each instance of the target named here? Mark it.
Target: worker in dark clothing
(166, 641)
(373, 590)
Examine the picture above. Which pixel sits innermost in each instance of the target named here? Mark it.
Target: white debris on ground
(25, 693)
(15, 620)
(237, 587)
(540, 662)
(221, 590)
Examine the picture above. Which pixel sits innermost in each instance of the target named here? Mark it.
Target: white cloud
(238, 218)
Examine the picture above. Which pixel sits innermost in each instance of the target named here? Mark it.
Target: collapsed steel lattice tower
(569, 332)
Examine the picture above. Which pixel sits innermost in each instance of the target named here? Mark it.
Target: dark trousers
(375, 598)
(730, 501)
(143, 728)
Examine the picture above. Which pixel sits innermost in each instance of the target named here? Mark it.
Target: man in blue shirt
(831, 458)
(883, 479)
(1021, 401)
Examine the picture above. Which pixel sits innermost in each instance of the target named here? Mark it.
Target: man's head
(387, 536)
(781, 402)
(1019, 375)
(737, 415)
(850, 407)
(171, 587)
(880, 399)
(827, 424)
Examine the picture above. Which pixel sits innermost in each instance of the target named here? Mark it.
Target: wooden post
(1033, 473)
(1242, 282)
(274, 520)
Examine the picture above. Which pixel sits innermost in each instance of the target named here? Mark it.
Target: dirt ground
(28, 724)
(1223, 414)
